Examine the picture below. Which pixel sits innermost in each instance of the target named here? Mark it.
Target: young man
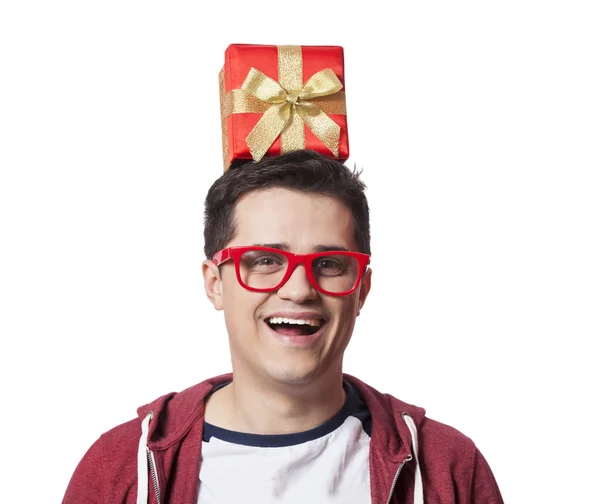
(287, 242)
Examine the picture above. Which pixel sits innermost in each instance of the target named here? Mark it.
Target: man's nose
(298, 287)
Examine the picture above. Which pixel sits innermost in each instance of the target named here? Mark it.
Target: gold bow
(288, 104)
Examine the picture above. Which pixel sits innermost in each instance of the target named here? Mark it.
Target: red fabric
(453, 469)
(240, 58)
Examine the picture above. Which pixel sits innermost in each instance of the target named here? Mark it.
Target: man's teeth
(283, 320)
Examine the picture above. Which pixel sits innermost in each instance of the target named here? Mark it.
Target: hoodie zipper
(153, 475)
(397, 476)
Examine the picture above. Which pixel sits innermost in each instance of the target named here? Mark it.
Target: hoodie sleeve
(484, 489)
(85, 486)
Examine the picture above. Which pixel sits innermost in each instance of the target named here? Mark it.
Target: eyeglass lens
(261, 269)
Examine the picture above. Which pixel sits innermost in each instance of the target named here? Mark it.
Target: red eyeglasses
(265, 269)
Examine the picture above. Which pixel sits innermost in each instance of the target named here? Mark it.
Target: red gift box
(276, 99)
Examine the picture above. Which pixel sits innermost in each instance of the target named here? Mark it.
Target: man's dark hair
(304, 171)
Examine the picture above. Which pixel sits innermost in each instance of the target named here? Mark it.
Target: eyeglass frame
(294, 260)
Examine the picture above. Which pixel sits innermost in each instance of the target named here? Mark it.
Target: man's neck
(257, 407)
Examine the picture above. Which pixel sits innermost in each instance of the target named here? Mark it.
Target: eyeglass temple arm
(221, 256)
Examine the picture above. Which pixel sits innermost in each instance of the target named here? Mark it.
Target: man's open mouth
(294, 327)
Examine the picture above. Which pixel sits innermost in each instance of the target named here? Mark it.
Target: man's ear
(213, 284)
(364, 288)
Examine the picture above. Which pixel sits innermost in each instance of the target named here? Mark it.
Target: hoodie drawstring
(142, 462)
(418, 493)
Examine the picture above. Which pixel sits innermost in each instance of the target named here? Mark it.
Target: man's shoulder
(121, 434)
(445, 439)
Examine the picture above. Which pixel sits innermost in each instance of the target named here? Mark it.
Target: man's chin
(292, 376)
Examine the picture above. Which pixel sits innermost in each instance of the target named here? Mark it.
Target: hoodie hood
(174, 414)
(169, 419)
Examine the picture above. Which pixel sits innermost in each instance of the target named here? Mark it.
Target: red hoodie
(449, 467)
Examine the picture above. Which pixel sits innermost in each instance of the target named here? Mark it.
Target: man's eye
(329, 266)
(266, 262)
(328, 263)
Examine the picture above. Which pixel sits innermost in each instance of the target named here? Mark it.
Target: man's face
(301, 223)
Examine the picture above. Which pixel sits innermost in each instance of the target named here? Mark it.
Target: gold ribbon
(289, 104)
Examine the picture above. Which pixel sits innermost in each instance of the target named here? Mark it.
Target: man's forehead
(278, 205)
(283, 195)
(293, 219)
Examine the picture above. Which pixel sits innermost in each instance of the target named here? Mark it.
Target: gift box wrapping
(304, 90)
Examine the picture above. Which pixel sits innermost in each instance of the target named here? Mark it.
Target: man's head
(301, 203)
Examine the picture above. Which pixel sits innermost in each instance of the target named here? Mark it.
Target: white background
(477, 125)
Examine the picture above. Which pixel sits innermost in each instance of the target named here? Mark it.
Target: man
(287, 247)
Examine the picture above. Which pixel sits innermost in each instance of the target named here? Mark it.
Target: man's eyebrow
(278, 246)
(330, 248)
(318, 248)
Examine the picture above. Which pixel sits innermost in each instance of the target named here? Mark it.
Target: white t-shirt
(327, 464)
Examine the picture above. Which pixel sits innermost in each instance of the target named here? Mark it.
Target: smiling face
(272, 335)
